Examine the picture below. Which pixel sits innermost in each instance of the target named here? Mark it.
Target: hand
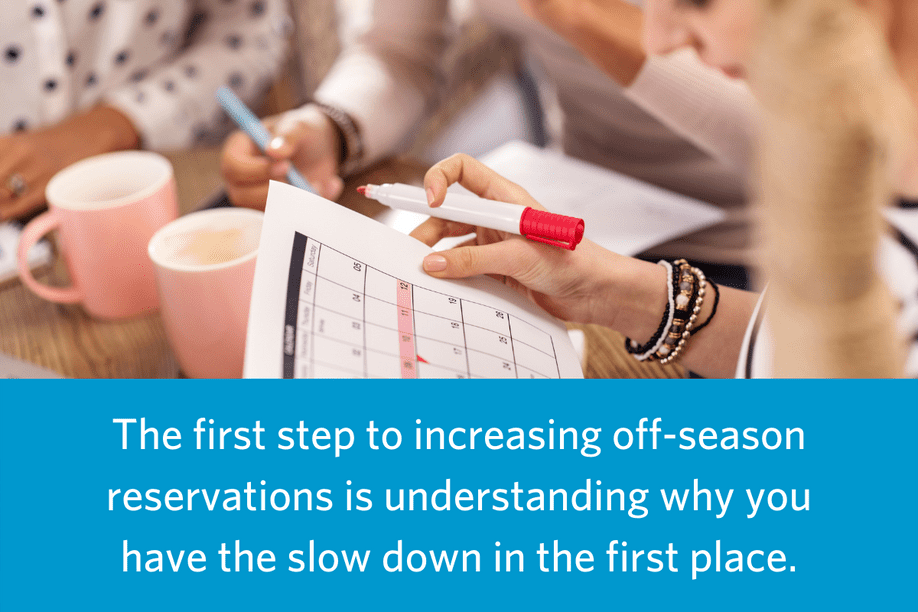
(37, 155)
(608, 32)
(305, 138)
(587, 285)
(556, 14)
(577, 285)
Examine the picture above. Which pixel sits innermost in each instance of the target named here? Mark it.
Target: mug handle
(31, 234)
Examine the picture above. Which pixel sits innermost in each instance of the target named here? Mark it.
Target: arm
(832, 105)
(384, 82)
(237, 44)
(587, 285)
(37, 155)
(609, 33)
(388, 79)
(715, 113)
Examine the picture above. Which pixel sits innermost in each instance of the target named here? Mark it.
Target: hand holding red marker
(538, 225)
(575, 285)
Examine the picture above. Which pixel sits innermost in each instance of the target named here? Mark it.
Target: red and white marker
(538, 225)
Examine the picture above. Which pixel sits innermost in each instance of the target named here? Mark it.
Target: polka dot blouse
(157, 61)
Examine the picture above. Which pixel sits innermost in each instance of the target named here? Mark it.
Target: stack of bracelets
(687, 288)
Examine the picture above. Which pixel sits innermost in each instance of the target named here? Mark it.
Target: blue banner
(458, 495)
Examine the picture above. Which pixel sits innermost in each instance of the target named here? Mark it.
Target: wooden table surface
(63, 338)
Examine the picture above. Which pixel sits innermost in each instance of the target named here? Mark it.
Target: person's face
(719, 30)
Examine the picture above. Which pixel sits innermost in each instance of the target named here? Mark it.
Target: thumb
(326, 183)
(286, 140)
(500, 258)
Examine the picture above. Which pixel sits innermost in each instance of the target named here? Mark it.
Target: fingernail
(276, 143)
(430, 201)
(434, 263)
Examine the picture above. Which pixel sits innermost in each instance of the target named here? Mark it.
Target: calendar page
(339, 295)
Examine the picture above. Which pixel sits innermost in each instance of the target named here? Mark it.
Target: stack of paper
(622, 214)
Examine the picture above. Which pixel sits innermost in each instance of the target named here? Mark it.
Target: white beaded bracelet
(672, 311)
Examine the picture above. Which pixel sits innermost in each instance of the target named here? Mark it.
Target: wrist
(635, 298)
(349, 140)
(334, 138)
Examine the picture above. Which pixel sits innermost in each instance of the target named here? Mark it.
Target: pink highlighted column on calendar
(406, 331)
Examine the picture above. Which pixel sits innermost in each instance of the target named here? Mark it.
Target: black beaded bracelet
(653, 339)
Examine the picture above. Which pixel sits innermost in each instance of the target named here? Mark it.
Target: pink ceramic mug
(105, 209)
(205, 264)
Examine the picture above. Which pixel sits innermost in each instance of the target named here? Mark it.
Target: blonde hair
(833, 106)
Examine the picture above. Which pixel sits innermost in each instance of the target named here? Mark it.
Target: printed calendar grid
(395, 354)
(320, 311)
(423, 337)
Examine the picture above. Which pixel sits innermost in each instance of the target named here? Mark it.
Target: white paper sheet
(339, 295)
(621, 214)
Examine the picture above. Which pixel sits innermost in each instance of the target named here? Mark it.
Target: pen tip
(362, 190)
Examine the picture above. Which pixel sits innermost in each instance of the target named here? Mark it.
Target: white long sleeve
(391, 75)
(714, 112)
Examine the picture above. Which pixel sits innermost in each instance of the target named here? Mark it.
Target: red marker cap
(557, 230)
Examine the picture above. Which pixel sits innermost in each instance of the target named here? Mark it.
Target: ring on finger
(17, 185)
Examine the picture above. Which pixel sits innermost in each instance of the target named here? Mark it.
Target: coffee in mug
(206, 247)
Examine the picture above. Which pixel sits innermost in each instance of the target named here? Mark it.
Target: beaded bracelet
(713, 286)
(690, 305)
(685, 290)
(645, 351)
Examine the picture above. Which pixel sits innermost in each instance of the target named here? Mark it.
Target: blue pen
(249, 123)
